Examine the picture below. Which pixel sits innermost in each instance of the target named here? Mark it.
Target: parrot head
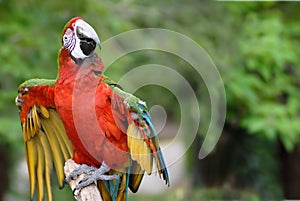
(79, 38)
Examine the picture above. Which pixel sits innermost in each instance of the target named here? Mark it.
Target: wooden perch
(89, 193)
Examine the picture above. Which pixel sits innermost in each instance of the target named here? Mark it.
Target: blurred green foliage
(255, 46)
(265, 80)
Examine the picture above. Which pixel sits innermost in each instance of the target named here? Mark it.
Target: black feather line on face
(69, 40)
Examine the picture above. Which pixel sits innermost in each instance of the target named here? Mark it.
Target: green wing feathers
(46, 145)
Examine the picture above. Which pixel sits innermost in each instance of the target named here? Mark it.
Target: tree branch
(89, 193)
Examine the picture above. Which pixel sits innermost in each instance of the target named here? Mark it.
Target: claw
(82, 169)
(93, 178)
(93, 175)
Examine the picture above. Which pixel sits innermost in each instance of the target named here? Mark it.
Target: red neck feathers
(69, 66)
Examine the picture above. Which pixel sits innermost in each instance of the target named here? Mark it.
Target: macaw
(86, 116)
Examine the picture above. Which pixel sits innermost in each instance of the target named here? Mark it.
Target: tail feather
(135, 177)
(114, 190)
(103, 191)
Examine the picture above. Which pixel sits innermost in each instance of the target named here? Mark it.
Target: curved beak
(84, 30)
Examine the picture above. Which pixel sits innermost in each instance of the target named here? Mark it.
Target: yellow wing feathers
(139, 150)
(46, 144)
(144, 147)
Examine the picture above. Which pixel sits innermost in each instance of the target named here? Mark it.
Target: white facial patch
(72, 42)
(77, 52)
(69, 40)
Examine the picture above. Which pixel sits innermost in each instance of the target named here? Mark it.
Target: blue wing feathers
(162, 169)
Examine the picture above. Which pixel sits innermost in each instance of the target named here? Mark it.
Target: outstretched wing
(46, 145)
(142, 138)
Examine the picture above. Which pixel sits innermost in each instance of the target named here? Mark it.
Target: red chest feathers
(92, 123)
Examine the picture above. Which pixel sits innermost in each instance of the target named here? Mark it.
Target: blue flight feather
(112, 187)
(146, 117)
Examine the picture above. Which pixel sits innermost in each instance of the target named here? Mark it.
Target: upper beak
(98, 43)
(88, 31)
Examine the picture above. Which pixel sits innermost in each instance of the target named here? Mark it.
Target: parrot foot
(82, 169)
(93, 175)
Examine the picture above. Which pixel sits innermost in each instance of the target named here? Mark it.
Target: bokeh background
(255, 46)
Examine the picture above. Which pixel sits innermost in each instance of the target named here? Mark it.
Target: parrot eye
(81, 40)
(69, 39)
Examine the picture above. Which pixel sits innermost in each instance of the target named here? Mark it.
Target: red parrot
(85, 115)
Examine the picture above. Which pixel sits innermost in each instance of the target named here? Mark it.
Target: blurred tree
(260, 71)
(4, 166)
(256, 49)
(263, 88)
